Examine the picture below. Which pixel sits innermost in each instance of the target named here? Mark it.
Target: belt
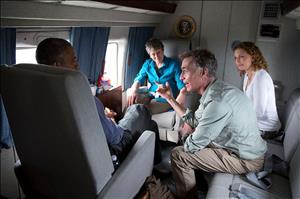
(270, 134)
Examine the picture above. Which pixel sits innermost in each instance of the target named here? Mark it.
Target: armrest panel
(131, 174)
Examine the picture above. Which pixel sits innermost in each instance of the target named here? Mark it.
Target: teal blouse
(169, 72)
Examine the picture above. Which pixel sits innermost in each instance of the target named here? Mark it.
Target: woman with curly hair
(258, 86)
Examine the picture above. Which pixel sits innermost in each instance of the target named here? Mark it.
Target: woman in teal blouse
(159, 69)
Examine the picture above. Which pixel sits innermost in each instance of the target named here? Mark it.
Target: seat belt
(272, 164)
(242, 191)
(262, 179)
(259, 179)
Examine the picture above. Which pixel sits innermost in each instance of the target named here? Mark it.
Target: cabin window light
(25, 55)
(111, 63)
(27, 40)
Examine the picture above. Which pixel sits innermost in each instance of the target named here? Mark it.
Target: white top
(262, 94)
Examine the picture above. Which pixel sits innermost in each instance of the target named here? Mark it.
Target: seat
(292, 102)
(59, 138)
(282, 187)
(169, 122)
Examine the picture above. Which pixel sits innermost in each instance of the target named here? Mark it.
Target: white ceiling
(106, 6)
(295, 14)
(62, 13)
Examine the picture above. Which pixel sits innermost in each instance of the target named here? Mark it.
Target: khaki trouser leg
(209, 160)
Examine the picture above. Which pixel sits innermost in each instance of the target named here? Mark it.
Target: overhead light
(128, 9)
(92, 4)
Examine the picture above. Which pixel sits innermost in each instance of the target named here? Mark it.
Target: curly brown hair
(258, 60)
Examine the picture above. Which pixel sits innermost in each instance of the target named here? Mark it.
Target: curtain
(7, 56)
(90, 45)
(136, 53)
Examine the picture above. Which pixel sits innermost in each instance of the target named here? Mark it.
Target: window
(28, 39)
(25, 55)
(111, 63)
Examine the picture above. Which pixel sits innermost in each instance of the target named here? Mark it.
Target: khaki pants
(209, 160)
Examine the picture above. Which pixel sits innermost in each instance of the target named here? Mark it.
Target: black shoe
(160, 171)
(202, 185)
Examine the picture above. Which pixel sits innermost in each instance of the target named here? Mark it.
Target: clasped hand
(164, 90)
(110, 114)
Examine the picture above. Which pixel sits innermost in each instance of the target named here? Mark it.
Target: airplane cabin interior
(52, 143)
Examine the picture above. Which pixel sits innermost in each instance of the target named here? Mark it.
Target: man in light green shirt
(225, 137)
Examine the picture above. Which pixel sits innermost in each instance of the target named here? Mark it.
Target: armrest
(131, 175)
(165, 120)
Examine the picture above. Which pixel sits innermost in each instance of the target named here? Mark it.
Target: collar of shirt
(165, 63)
(205, 96)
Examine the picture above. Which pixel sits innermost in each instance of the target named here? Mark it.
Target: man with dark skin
(120, 137)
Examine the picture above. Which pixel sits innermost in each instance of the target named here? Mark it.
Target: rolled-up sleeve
(211, 121)
(189, 118)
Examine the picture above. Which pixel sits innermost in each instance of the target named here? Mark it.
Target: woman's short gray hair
(203, 59)
(153, 43)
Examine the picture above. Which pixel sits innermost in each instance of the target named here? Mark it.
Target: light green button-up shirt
(226, 119)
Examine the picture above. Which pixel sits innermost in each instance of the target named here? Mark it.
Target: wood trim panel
(112, 99)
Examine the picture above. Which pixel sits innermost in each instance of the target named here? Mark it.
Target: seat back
(292, 102)
(292, 131)
(294, 174)
(56, 129)
(174, 47)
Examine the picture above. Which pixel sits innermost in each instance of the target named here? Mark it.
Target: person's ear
(200, 71)
(205, 71)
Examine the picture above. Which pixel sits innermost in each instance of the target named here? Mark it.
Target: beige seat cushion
(165, 120)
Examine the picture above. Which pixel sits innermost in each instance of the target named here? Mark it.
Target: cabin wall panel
(235, 20)
(215, 28)
(218, 24)
(165, 30)
(243, 26)
(283, 57)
